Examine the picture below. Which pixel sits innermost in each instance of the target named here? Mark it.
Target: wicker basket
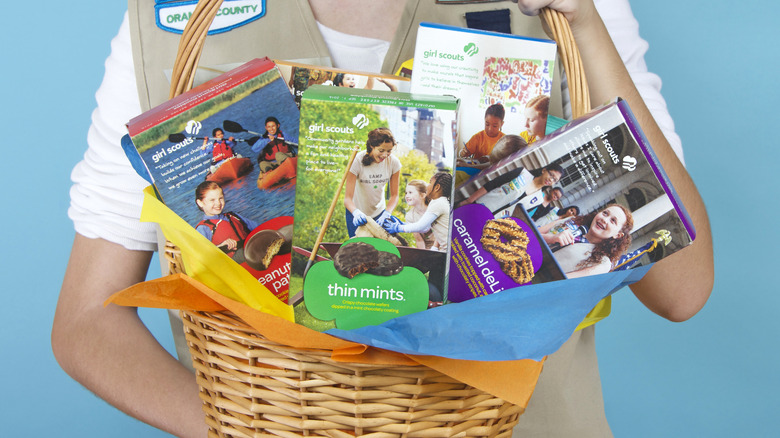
(252, 387)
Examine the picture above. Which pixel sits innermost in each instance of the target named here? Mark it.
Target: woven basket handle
(571, 60)
(191, 46)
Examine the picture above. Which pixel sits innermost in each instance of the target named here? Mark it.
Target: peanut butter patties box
(589, 198)
(215, 161)
(375, 172)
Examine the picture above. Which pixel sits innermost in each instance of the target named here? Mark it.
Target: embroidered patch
(173, 15)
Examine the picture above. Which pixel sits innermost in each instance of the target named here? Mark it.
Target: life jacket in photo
(232, 228)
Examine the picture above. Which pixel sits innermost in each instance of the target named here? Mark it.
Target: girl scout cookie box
(354, 259)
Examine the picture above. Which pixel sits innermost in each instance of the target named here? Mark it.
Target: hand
(230, 244)
(564, 238)
(394, 227)
(575, 11)
(383, 218)
(358, 218)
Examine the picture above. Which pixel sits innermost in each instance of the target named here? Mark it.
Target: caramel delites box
(588, 199)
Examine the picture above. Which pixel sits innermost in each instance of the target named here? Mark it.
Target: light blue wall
(716, 374)
(713, 376)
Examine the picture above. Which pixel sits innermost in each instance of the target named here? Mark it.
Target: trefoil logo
(193, 127)
(360, 120)
(629, 163)
(471, 49)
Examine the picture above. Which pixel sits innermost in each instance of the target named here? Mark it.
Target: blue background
(714, 376)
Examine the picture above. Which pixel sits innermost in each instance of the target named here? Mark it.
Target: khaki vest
(289, 32)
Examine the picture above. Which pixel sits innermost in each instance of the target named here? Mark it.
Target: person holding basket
(110, 351)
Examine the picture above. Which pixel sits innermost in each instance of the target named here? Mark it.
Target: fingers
(565, 238)
(358, 218)
(532, 7)
(394, 228)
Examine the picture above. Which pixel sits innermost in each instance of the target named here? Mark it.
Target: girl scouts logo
(629, 163)
(173, 15)
(193, 127)
(471, 49)
(360, 120)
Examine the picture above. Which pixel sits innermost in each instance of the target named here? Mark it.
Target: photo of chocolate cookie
(261, 247)
(389, 264)
(286, 232)
(355, 258)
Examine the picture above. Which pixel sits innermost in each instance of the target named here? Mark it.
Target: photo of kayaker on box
(219, 147)
(227, 230)
(272, 148)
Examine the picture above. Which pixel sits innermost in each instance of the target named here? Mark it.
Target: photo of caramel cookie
(389, 264)
(521, 271)
(355, 258)
(504, 239)
(507, 242)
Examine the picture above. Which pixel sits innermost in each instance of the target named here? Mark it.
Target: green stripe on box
(380, 97)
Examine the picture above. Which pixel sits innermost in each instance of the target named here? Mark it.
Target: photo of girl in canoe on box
(227, 230)
(590, 244)
(221, 148)
(272, 149)
(372, 171)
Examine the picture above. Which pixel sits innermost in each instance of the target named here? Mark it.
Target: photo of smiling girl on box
(372, 170)
(590, 244)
